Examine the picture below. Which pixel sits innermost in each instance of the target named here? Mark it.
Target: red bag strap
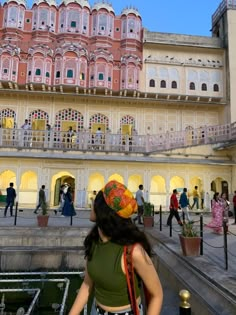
(129, 271)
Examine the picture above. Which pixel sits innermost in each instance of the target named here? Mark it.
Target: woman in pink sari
(217, 214)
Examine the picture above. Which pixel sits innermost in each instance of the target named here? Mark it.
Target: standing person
(174, 206)
(26, 137)
(184, 203)
(61, 199)
(202, 194)
(225, 205)
(140, 201)
(98, 137)
(68, 209)
(217, 214)
(234, 203)
(104, 246)
(42, 199)
(11, 196)
(70, 134)
(195, 197)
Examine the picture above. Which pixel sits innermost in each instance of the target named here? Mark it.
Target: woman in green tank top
(104, 245)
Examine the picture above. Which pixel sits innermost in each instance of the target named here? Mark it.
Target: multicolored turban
(120, 199)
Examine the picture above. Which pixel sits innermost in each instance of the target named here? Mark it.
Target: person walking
(184, 204)
(10, 199)
(234, 203)
(174, 206)
(42, 199)
(195, 198)
(68, 209)
(140, 201)
(105, 272)
(61, 199)
(217, 214)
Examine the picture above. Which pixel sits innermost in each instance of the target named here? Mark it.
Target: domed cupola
(18, 2)
(103, 16)
(14, 12)
(103, 5)
(131, 23)
(49, 2)
(74, 16)
(130, 10)
(44, 15)
(82, 3)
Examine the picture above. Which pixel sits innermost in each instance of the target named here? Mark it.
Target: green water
(50, 292)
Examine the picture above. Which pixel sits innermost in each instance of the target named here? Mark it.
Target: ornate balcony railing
(108, 142)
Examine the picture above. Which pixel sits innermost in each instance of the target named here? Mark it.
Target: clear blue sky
(191, 17)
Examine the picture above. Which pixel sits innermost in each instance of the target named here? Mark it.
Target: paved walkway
(213, 248)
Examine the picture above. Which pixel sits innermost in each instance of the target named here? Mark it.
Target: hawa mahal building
(87, 96)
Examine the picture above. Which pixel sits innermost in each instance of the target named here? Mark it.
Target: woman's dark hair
(119, 230)
(215, 196)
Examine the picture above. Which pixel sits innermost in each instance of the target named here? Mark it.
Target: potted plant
(190, 240)
(43, 216)
(148, 214)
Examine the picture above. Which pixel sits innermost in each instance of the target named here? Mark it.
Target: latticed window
(99, 119)
(216, 88)
(204, 87)
(69, 114)
(38, 114)
(127, 120)
(152, 83)
(174, 85)
(69, 73)
(38, 72)
(100, 76)
(192, 86)
(163, 84)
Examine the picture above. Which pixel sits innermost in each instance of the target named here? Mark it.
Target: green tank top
(110, 285)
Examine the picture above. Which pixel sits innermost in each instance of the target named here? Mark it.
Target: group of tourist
(220, 209)
(66, 204)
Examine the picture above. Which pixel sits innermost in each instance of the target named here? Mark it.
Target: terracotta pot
(190, 245)
(42, 220)
(148, 221)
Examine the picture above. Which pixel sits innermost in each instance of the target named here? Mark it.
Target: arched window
(216, 88)
(100, 76)
(58, 74)
(38, 72)
(152, 83)
(192, 86)
(47, 74)
(163, 84)
(174, 85)
(204, 87)
(82, 76)
(69, 73)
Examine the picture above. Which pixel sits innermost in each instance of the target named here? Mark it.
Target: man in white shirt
(140, 201)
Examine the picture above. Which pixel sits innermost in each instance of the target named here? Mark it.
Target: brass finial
(184, 296)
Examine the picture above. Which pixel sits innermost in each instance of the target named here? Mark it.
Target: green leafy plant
(148, 209)
(189, 230)
(44, 209)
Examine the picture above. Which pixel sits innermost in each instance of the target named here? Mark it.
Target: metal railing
(108, 142)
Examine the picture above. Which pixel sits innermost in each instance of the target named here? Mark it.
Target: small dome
(130, 10)
(82, 3)
(103, 5)
(19, 2)
(49, 2)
